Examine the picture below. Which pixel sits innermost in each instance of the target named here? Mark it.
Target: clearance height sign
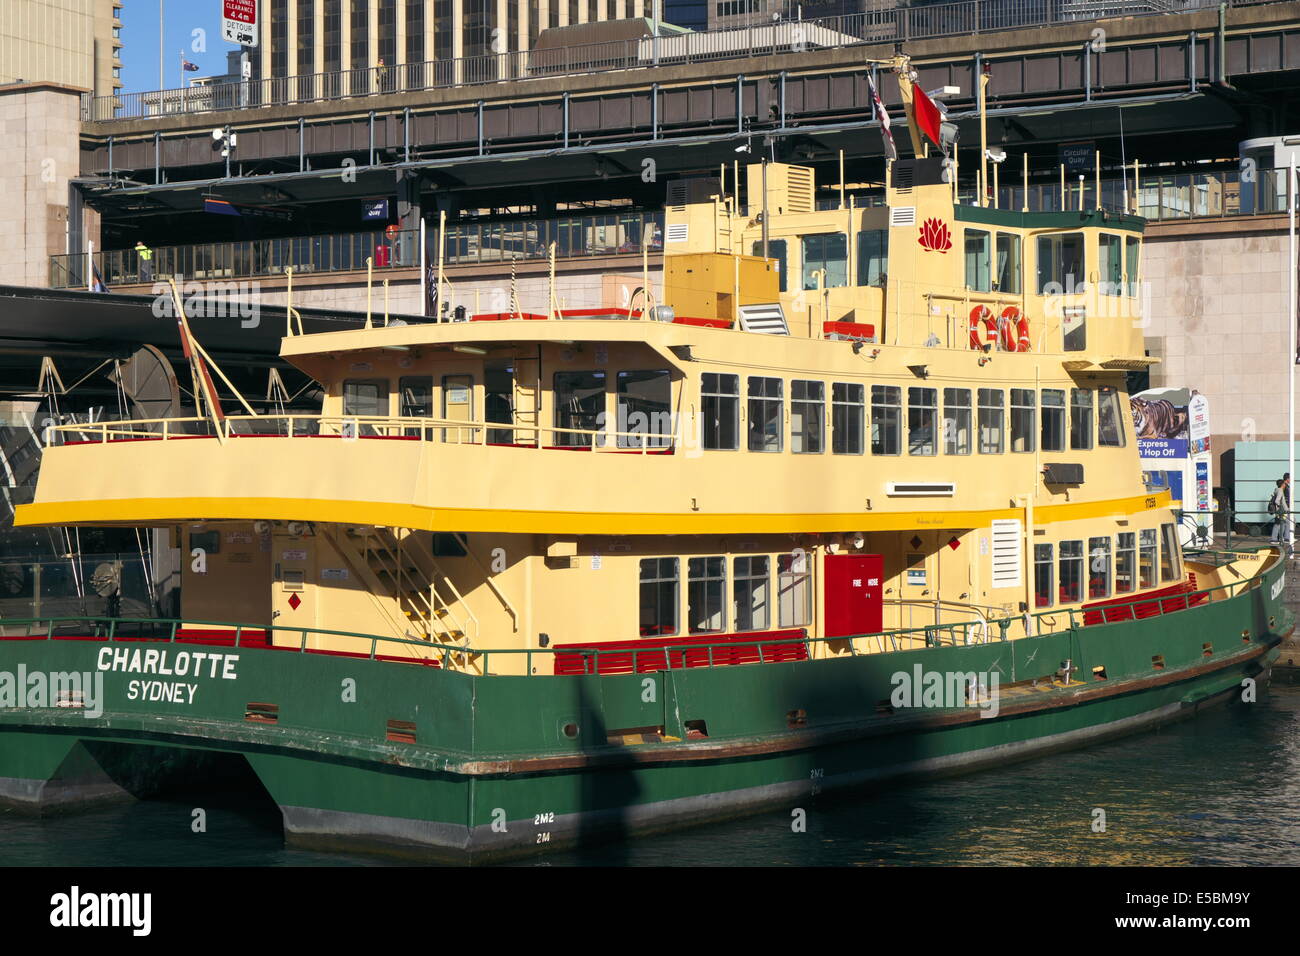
(239, 21)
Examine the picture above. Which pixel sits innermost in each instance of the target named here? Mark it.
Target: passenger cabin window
(1071, 571)
(1053, 413)
(1080, 418)
(922, 421)
(365, 398)
(886, 419)
(1126, 563)
(416, 396)
(1169, 555)
(847, 418)
(659, 584)
(794, 590)
(807, 417)
(1008, 274)
(826, 254)
(499, 401)
(765, 413)
(579, 407)
(1098, 568)
(706, 588)
(1110, 264)
(644, 409)
(1024, 432)
(749, 593)
(1043, 576)
(1131, 263)
(1060, 263)
(978, 277)
(1110, 423)
(775, 250)
(991, 420)
(956, 421)
(720, 410)
(1147, 558)
(873, 257)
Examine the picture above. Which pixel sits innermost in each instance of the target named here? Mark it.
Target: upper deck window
(1071, 571)
(644, 409)
(1022, 419)
(416, 393)
(1131, 246)
(1053, 417)
(1110, 264)
(1008, 275)
(886, 419)
(956, 421)
(807, 417)
(828, 254)
(922, 415)
(1110, 423)
(766, 406)
(775, 250)
(1098, 567)
(992, 417)
(579, 404)
(720, 409)
(1080, 418)
(873, 256)
(847, 418)
(978, 276)
(365, 398)
(1060, 263)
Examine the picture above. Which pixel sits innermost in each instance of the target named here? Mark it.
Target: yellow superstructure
(939, 385)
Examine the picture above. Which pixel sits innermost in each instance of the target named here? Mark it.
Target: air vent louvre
(902, 216)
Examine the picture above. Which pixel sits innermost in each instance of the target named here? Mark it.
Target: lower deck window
(1098, 568)
(794, 590)
(1170, 553)
(1043, 575)
(579, 407)
(749, 589)
(1070, 569)
(706, 584)
(659, 584)
(1126, 563)
(1147, 557)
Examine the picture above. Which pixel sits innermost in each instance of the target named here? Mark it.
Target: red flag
(926, 114)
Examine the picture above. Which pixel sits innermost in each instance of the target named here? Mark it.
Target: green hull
(491, 772)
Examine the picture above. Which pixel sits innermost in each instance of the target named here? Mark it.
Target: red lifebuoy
(1022, 333)
(980, 315)
(1009, 328)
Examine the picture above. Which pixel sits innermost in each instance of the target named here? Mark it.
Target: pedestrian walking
(1279, 506)
(145, 257)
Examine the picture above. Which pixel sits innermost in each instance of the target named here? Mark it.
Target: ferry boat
(856, 499)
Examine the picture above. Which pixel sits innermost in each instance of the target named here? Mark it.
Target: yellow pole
(385, 303)
(1136, 202)
(984, 143)
(1024, 181)
(1096, 155)
(995, 185)
(841, 178)
(442, 244)
(370, 261)
(1081, 192)
(1062, 187)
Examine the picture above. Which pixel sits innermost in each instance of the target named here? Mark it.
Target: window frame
(1082, 420)
(917, 412)
(710, 585)
(1018, 412)
(675, 579)
(952, 436)
(842, 432)
(800, 407)
(712, 426)
(882, 413)
(739, 577)
(987, 414)
(1076, 563)
(760, 409)
(1059, 417)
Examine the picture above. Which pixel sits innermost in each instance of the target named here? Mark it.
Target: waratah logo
(935, 236)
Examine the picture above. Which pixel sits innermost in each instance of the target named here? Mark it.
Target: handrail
(932, 635)
(350, 427)
(879, 23)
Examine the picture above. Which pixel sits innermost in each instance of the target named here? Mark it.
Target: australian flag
(189, 67)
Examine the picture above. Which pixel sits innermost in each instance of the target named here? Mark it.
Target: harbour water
(1221, 789)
